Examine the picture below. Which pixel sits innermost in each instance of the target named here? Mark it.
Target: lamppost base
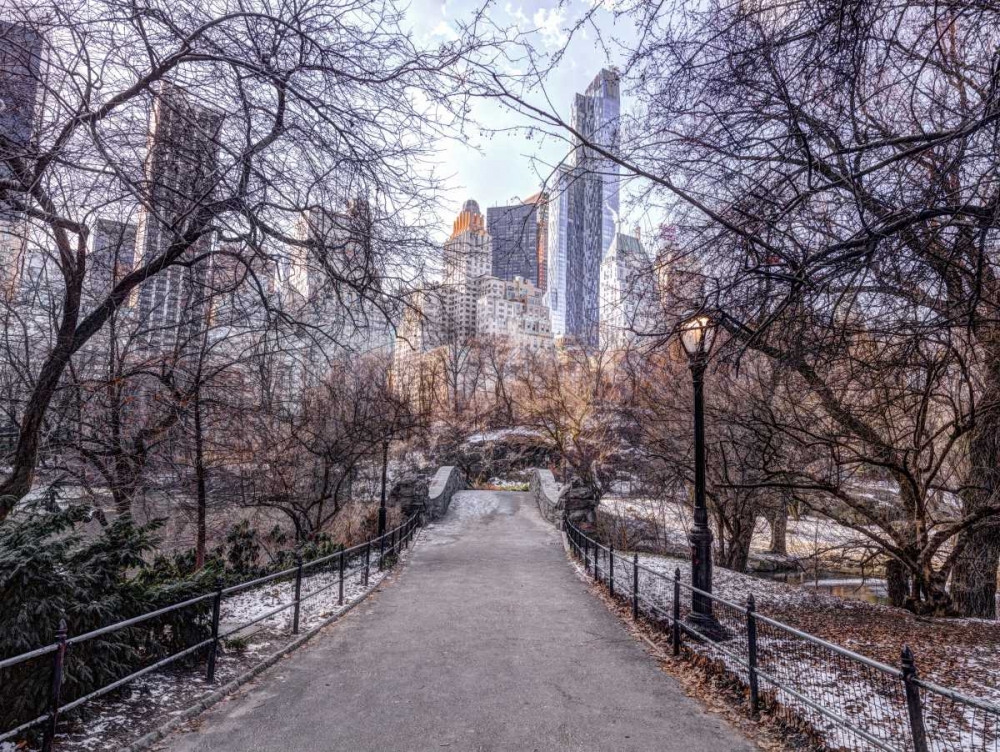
(381, 520)
(706, 627)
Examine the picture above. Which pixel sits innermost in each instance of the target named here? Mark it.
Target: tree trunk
(974, 578)
(735, 537)
(897, 581)
(779, 530)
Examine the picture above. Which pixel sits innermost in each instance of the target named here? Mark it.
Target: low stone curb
(161, 732)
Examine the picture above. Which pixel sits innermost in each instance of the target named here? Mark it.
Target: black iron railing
(380, 553)
(847, 700)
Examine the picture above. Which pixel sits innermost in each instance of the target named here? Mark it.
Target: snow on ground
(806, 537)
(465, 507)
(868, 698)
(118, 719)
(501, 434)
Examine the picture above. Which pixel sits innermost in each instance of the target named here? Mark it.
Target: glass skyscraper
(583, 212)
(517, 240)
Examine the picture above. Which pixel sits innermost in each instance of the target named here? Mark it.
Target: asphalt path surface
(488, 640)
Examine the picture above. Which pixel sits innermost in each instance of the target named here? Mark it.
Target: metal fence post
(611, 569)
(635, 586)
(58, 659)
(298, 593)
(913, 707)
(597, 556)
(340, 591)
(586, 555)
(368, 560)
(213, 649)
(752, 655)
(381, 551)
(676, 626)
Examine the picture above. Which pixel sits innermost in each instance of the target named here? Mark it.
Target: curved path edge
(164, 730)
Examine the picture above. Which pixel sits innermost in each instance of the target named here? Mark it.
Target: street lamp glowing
(697, 335)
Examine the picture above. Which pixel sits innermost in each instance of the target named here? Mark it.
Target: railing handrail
(850, 654)
(410, 524)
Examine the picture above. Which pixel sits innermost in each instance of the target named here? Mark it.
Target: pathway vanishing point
(489, 641)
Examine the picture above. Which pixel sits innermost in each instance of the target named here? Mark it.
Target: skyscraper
(583, 212)
(514, 311)
(516, 232)
(111, 257)
(20, 74)
(466, 264)
(629, 294)
(342, 282)
(596, 114)
(180, 174)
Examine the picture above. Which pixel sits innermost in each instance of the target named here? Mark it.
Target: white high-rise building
(629, 293)
(466, 263)
(514, 310)
(345, 317)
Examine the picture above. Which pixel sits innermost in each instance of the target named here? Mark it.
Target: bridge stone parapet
(544, 489)
(575, 501)
(447, 481)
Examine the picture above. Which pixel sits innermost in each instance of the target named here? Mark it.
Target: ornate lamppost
(385, 470)
(697, 336)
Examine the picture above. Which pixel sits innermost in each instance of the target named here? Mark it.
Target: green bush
(50, 570)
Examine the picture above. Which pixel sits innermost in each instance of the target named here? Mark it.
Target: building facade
(111, 256)
(583, 211)
(180, 172)
(514, 310)
(517, 239)
(466, 264)
(20, 82)
(629, 294)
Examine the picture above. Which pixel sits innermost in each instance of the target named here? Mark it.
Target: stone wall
(575, 501)
(545, 491)
(446, 483)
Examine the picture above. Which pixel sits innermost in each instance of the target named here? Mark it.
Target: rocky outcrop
(410, 493)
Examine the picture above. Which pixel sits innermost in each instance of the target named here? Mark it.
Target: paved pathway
(489, 641)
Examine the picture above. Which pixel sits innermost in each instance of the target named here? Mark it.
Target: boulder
(410, 493)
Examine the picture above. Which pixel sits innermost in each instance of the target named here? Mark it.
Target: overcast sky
(496, 168)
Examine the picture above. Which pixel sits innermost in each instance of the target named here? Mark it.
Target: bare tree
(833, 168)
(288, 108)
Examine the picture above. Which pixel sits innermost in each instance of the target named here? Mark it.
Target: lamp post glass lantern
(697, 337)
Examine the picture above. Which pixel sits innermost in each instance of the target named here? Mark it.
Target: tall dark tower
(179, 176)
(513, 233)
(20, 78)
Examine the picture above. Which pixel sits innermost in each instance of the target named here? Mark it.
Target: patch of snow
(501, 434)
(466, 506)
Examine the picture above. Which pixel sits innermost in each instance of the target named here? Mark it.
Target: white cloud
(444, 30)
(549, 22)
(520, 19)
